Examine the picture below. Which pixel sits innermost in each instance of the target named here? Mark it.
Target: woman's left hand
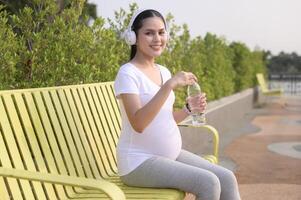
(198, 102)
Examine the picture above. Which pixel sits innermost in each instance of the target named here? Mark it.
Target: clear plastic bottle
(198, 117)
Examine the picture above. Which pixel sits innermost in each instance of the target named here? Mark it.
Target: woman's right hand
(182, 79)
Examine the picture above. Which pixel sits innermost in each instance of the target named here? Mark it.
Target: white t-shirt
(161, 137)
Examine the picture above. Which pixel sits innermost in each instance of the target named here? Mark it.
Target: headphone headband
(134, 16)
(129, 35)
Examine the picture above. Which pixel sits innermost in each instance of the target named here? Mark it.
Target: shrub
(9, 52)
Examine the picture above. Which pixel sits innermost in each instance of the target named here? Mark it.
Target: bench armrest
(112, 190)
(210, 129)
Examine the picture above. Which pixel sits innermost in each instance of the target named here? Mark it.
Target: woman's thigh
(191, 159)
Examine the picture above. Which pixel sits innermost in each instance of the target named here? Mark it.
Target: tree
(14, 6)
(58, 49)
(242, 65)
(218, 70)
(285, 63)
(9, 49)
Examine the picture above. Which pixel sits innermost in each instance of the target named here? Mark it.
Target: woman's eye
(154, 33)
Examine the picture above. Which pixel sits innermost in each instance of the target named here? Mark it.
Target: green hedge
(41, 47)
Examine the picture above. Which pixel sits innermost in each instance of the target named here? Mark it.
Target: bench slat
(48, 141)
(81, 105)
(74, 139)
(61, 154)
(107, 93)
(12, 148)
(33, 133)
(111, 124)
(79, 134)
(99, 133)
(55, 113)
(99, 146)
(6, 162)
(72, 158)
(3, 190)
(114, 104)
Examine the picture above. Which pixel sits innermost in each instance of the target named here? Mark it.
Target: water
(198, 118)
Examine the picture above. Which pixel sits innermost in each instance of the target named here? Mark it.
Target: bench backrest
(262, 83)
(71, 130)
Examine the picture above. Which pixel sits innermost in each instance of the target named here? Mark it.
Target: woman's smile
(156, 47)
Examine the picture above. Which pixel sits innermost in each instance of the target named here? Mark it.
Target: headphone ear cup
(129, 37)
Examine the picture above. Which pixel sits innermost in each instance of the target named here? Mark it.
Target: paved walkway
(267, 152)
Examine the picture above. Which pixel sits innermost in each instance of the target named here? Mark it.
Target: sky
(273, 25)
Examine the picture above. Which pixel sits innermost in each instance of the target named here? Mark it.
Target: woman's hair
(138, 23)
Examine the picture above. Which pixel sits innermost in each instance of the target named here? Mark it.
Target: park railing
(290, 83)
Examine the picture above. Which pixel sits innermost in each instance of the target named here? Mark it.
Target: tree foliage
(10, 49)
(14, 6)
(218, 71)
(284, 63)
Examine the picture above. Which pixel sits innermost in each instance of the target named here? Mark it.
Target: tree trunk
(60, 4)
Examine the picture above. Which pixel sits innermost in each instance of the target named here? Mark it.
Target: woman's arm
(180, 115)
(139, 116)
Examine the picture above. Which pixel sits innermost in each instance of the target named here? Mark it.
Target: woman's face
(152, 37)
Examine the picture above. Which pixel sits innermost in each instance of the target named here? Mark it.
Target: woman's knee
(208, 187)
(229, 186)
(228, 177)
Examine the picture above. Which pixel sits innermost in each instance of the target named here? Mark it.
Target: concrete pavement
(264, 151)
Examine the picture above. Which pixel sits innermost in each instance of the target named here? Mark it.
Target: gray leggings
(189, 173)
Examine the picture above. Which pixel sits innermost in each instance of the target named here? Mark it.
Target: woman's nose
(156, 37)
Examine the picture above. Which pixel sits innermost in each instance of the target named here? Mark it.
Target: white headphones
(129, 35)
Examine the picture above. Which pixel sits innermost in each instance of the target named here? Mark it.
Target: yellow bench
(264, 88)
(59, 143)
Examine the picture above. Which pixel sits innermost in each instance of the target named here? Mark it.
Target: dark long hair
(138, 23)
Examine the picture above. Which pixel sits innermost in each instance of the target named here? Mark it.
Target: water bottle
(198, 117)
